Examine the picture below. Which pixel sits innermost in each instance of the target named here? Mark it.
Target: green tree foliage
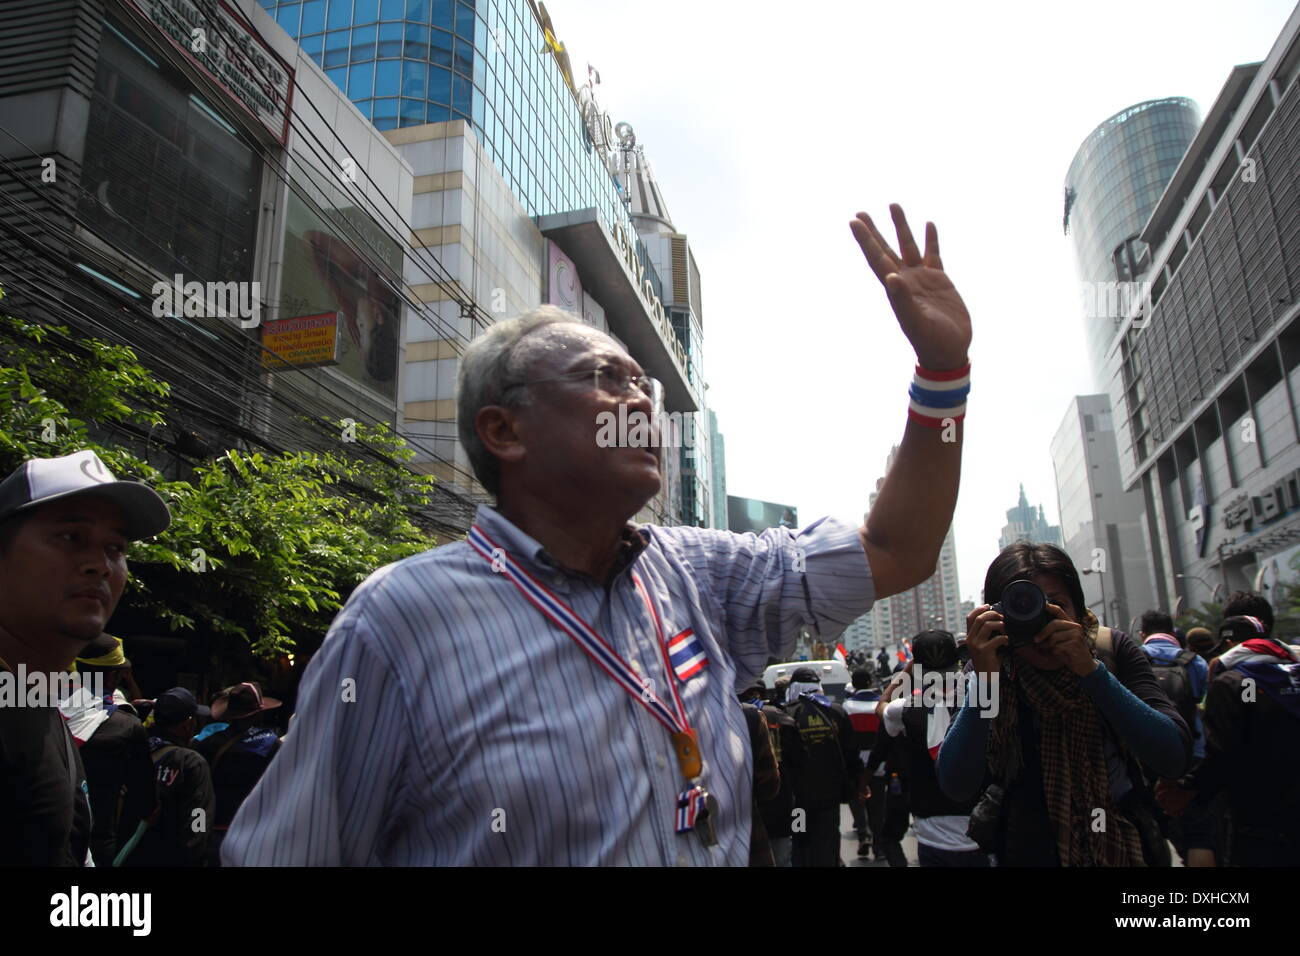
(262, 547)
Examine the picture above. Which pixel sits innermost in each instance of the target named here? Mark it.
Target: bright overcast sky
(770, 124)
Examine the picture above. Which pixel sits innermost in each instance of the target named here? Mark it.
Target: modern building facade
(934, 604)
(718, 464)
(181, 144)
(518, 200)
(1101, 524)
(670, 252)
(858, 635)
(966, 608)
(1206, 413)
(1113, 183)
(156, 143)
(1027, 523)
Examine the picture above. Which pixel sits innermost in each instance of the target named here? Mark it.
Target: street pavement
(849, 843)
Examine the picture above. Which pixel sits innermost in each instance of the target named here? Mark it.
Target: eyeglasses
(610, 379)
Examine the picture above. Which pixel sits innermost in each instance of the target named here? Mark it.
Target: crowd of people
(414, 742)
(163, 777)
(1156, 744)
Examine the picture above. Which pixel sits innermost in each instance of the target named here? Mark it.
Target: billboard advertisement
(302, 341)
(333, 267)
(563, 286)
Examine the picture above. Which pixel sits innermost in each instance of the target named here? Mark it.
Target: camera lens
(1023, 600)
(1024, 611)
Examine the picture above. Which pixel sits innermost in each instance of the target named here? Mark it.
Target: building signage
(599, 126)
(216, 40)
(1251, 511)
(302, 341)
(643, 286)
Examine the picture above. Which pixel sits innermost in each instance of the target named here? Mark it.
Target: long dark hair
(1023, 559)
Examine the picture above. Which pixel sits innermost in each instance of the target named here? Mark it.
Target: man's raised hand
(930, 311)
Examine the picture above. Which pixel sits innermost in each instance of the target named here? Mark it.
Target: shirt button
(681, 859)
(659, 759)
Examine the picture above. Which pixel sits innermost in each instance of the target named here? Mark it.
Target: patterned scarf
(1070, 747)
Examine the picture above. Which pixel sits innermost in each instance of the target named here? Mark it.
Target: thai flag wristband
(938, 398)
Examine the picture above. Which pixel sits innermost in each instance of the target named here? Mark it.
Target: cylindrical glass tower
(1114, 182)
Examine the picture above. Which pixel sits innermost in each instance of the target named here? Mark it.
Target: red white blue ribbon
(689, 801)
(690, 804)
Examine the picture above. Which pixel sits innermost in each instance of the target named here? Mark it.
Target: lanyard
(673, 718)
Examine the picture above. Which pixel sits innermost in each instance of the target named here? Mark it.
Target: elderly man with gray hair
(417, 743)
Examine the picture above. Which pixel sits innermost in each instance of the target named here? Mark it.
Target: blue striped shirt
(445, 721)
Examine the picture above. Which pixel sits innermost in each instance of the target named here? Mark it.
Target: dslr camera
(1023, 607)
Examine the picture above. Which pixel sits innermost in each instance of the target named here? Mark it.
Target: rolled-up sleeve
(334, 786)
(771, 584)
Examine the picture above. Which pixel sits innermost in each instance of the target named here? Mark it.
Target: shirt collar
(522, 547)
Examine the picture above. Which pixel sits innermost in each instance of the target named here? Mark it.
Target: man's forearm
(913, 511)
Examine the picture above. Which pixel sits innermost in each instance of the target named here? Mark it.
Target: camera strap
(1106, 648)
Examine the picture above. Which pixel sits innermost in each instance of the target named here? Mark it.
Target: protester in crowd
(1073, 699)
(1181, 673)
(1257, 611)
(1203, 642)
(370, 780)
(887, 770)
(780, 687)
(188, 803)
(831, 772)
(939, 821)
(860, 706)
(237, 753)
(1252, 722)
(778, 811)
(65, 524)
(767, 784)
(123, 795)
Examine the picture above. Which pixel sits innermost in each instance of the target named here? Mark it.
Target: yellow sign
(301, 341)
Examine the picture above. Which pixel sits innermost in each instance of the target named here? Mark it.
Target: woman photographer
(1057, 759)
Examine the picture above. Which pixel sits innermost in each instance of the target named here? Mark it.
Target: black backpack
(820, 779)
(1176, 681)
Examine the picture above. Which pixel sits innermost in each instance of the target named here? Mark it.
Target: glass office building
(1115, 180)
(1101, 525)
(410, 62)
(1207, 400)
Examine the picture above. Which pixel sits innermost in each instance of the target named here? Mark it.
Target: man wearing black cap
(238, 754)
(64, 528)
(179, 836)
